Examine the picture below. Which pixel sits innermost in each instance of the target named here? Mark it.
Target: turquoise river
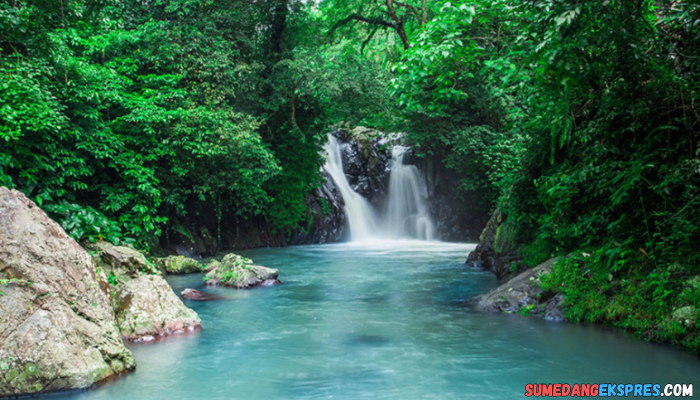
(379, 320)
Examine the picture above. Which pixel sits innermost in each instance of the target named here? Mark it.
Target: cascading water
(360, 215)
(406, 213)
(406, 209)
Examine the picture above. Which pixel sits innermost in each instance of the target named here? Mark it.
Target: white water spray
(360, 215)
(406, 210)
(406, 213)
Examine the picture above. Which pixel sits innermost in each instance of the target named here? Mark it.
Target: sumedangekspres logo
(608, 390)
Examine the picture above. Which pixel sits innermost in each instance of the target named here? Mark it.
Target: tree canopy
(579, 119)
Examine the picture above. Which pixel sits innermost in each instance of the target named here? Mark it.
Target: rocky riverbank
(58, 330)
(520, 291)
(65, 310)
(575, 288)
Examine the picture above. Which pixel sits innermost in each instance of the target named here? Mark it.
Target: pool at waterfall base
(377, 320)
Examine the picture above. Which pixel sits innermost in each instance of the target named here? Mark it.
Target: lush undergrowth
(579, 119)
(659, 306)
(585, 116)
(123, 117)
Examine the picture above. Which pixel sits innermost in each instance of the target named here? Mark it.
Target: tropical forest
(306, 199)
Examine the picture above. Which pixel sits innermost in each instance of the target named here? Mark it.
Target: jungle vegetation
(579, 119)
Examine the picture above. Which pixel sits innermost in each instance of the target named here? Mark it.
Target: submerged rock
(121, 263)
(147, 306)
(240, 273)
(57, 327)
(196, 295)
(179, 265)
(524, 294)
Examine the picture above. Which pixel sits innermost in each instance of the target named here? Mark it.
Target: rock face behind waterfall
(367, 165)
(57, 327)
(327, 216)
(366, 162)
(457, 213)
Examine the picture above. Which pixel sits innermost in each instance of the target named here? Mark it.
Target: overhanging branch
(371, 35)
(360, 18)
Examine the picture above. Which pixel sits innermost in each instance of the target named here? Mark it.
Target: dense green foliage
(585, 116)
(117, 115)
(578, 118)
(659, 305)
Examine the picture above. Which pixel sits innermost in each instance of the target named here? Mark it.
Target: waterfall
(406, 209)
(406, 212)
(360, 215)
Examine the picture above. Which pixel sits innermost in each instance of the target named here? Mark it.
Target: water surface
(386, 320)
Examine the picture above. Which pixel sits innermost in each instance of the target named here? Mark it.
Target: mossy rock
(212, 265)
(524, 295)
(686, 316)
(363, 134)
(505, 240)
(239, 272)
(179, 265)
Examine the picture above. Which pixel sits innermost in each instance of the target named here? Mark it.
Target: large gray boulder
(57, 328)
(523, 294)
(241, 273)
(148, 309)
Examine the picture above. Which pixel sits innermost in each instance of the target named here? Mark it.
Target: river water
(386, 320)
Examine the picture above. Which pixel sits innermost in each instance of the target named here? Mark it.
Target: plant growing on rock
(6, 282)
(240, 272)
